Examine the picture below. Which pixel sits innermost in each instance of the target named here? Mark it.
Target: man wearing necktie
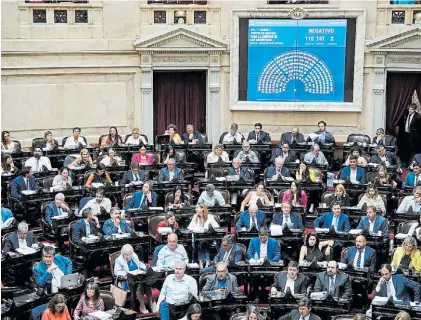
(252, 217)
(410, 134)
(414, 177)
(133, 175)
(303, 312)
(334, 282)
(361, 255)
(26, 181)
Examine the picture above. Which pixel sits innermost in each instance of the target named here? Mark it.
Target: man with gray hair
(178, 288)
(220, 283)
(56, 208)
(20, 239)
(315, 156)
(211, 197)
(413, 202)
(171, 253)
(247, 154)
(233, 136)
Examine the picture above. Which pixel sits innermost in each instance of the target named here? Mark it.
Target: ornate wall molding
(179, 59)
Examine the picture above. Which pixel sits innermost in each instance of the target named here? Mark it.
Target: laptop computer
(69, 281)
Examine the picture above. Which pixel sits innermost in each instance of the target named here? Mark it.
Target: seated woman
(129, 261)
(90, 301)
(172, 132)
(7, 144)
(383, 177)
(142, 157)
(305, 174)
(193, 312)
(111, 159)
(361, 161)
(295, 195)
(372, 198)
(407, 256)
(313, 249)
(256, 195)
(112, 138)
(135, 138)
(7, 164)
(49, 142)
(218, 153)
(253, 313)
(340, 196)
(178, 197)
(170, 153)
(169, 222)
(57, 309)
(202, 219)
(84, 159)
(62, 180)
(99, 176)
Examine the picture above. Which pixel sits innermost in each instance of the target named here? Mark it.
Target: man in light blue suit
(144, 198)
(360, 256)
(286, 217)
(170, 172)
(115, 224)
(397, 286)
(374, 223)
(339, 221)
(263, 242)
(251, 218)
(354, 173)
(414, 177)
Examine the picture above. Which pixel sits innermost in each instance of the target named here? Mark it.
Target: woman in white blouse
(136, 139)
(61, 180)
(129, 261)
(111, 159)
(255, 195)
(218, 152)
(372, 198)
(202, 220)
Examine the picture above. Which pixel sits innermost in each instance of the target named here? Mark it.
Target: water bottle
(256, 256)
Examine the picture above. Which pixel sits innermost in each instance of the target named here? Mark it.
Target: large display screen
(296, 60)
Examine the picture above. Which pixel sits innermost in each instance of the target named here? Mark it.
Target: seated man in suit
(246, 154)
(171, 252)
(303, 312)
(253, 218)
(264, 246)
(353, 172)
(258, 135)
(293, 136)
(56, 208)
(211, 197)
(170, 172)
(278, 169)
(133, 175)
(413, 202)
(386, 158)
(99, 205)
(38, 162)
(374, 223)
(334, 282)
(336, 219)
(315, 156)
(233, 136)
(323, 136)
(145, 198)
(360, 256)
(7, 218)
(286, 217)
(415, 159)
(221, 283)
(115, 224)
(86, 226)
(26, 181)
(397, 286)
(414, 177)
(381, 138)
(192, 136)
(285, 153)
(296, 282)
(237, 170)
(22, 238)
(52, 267)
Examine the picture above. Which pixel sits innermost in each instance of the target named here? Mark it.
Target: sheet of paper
(101, 315)
(26, 250)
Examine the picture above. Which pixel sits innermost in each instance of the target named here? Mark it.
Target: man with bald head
(220, 283)
(334, 282)
(293, 136)
(361, 255)
(171, 253)
(253, 218)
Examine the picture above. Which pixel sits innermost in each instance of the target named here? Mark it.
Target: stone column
(213, 108)
(379, 94)
(145, 117)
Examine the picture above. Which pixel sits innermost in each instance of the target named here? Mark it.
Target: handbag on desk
(119, 295)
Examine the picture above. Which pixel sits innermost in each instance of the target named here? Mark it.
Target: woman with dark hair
(169, 222)
(172, 132)
(361, 161)
(193, 312)
(6, 142)
(112, 138)
(295, 195)
(7, 164)
(62, 180)
(254, 196)
(170, 153)
(57, 309)
(49, 142)
(313, 248)
(178, 198)
(99, 176)
(90, 301)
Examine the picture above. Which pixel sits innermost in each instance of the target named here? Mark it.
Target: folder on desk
(379, 301)
(101, 315)
(276, 230)
(26, 250)
(318, 295)
(164, 230)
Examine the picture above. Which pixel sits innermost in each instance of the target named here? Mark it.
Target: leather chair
(357, 137)
(344, 250)
(73, 247)
(100, 138)
(216, 172)
(46, 228)
(404, 227)
(47, 183)
(203, 279)
(86, 175)
(112, 257)
(36, 141)
(280, 195)
(204, 137)
(222, 136)
(108, 299)
(127, 199)
(84, 201)
(243, 250)
(153, 221)
(226, 195)
(325, 197)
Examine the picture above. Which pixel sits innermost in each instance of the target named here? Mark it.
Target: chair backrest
(243, 249)
(101, 137)
(84, 201)
(204, 137)
(86, 175)
(326, 195)
(358, 137)
(238, 316)
(203, 279)
(393, 140)
(70, 232)
(155, 254)
(112, 257)
(343, 253)
(36, 141)
(404, 227)
(127, 199)
(153, 222)
(371, 176)
(108, 299)
(222, 136)
(216, 172)
(281, 195)
(47, 183)
(226, 195)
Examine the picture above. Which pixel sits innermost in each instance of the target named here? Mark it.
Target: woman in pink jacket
(142, 157)
(295, 195)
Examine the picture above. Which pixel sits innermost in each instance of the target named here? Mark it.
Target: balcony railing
(56, 1)
(297, 1)
(180, 2)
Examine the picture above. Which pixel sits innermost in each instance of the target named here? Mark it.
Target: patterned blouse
(84, 309)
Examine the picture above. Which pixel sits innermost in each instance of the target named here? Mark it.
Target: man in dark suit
(323, 135)
(115, 224)
(20, 239)
(291, 137)
(374, 223)
(263, 242)
(192, 136)
(382, 139)
(220, 283)
(334, 282)
(253, 218)
(303, 312)
(285, 153)
(413, 178)
(278, 169)
(384, 157)
(296, 282)
(145, 198)
(397, 286)
(410, 133)
(360, 256)
(237, 170)
(287, 217)
(84, 227)
(26, 181)
(56, 208)
(170, 172)
(133, 175)
(258, 135)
